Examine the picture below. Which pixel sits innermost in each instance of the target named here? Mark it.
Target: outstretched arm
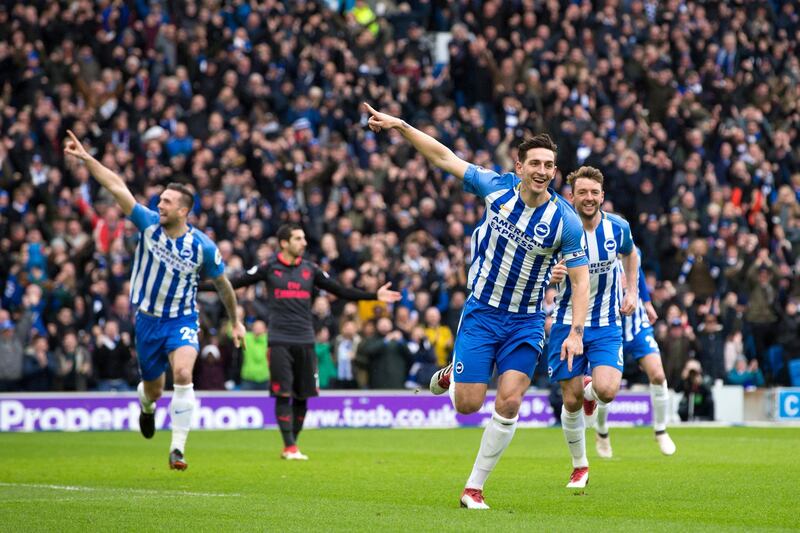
(228, 297)
(107, 178)
(252, 276)
(384, 294)
(438, 154)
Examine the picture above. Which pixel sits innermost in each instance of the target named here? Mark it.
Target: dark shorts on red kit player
(293, 370)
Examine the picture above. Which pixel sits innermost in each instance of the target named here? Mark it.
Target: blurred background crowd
(690, 108)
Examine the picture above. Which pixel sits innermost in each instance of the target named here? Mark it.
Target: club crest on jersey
(278, 273)
(541, 230)
(610, 245)
(306, 273)
(459, 367)
(185, 253)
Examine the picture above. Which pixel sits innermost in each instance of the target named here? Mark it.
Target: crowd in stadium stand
(690, 109)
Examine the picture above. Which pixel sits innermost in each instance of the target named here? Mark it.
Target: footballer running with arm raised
(525, 228)
(291, 281)
(170, 257)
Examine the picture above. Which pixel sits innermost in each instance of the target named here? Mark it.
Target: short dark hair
(587, 172)
(285, 231)
(542, 140)
(187, 194)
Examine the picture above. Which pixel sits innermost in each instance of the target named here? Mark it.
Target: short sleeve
(571, 240)
(143, 217)
(482, 182)
(626, 246)
(213, 265)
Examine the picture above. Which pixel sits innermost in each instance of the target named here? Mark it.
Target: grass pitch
(743, 479)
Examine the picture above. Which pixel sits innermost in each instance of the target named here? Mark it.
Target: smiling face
(537, 170)
(171, 209)
(588, 196)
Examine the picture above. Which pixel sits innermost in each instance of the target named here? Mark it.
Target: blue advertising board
(788, 404)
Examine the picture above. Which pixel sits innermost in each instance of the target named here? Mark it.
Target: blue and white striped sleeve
(213, 265)
(143, 217)
(571, 236)
(482, 182)
(626, 246)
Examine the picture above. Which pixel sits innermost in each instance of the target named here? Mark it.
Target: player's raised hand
(238, 331)
(387, 295)
(74, 148)
(378, 121)
(628, 304)
(559, 272)
(572, 348)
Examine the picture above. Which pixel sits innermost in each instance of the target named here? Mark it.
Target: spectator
(425, 363)
(760, 315)
(711, 346)
(74, 364)
(112, 358)
(210, 372)
(326, 368)
(12, 345)
(677, 348)
(746, 375)
(789, 337)
(346, 346)
(439, 335)
(255, 370)
(697, 402)
(40, 366)
(388, 357)
(695, 113)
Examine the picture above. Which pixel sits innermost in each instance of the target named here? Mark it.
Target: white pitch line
(75, 488)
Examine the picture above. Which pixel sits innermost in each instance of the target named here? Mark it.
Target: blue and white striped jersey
(634, 324)
(515, 246)
(166, 271)
(610, 238)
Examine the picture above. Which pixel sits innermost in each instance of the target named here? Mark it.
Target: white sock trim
(505, 421)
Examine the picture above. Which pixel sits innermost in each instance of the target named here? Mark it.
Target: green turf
(721, 479)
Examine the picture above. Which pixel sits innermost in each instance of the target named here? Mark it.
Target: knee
(467, 406)
(605, 393)
(182, 376)
(658, 378)
(507, 407)
(572, 402)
